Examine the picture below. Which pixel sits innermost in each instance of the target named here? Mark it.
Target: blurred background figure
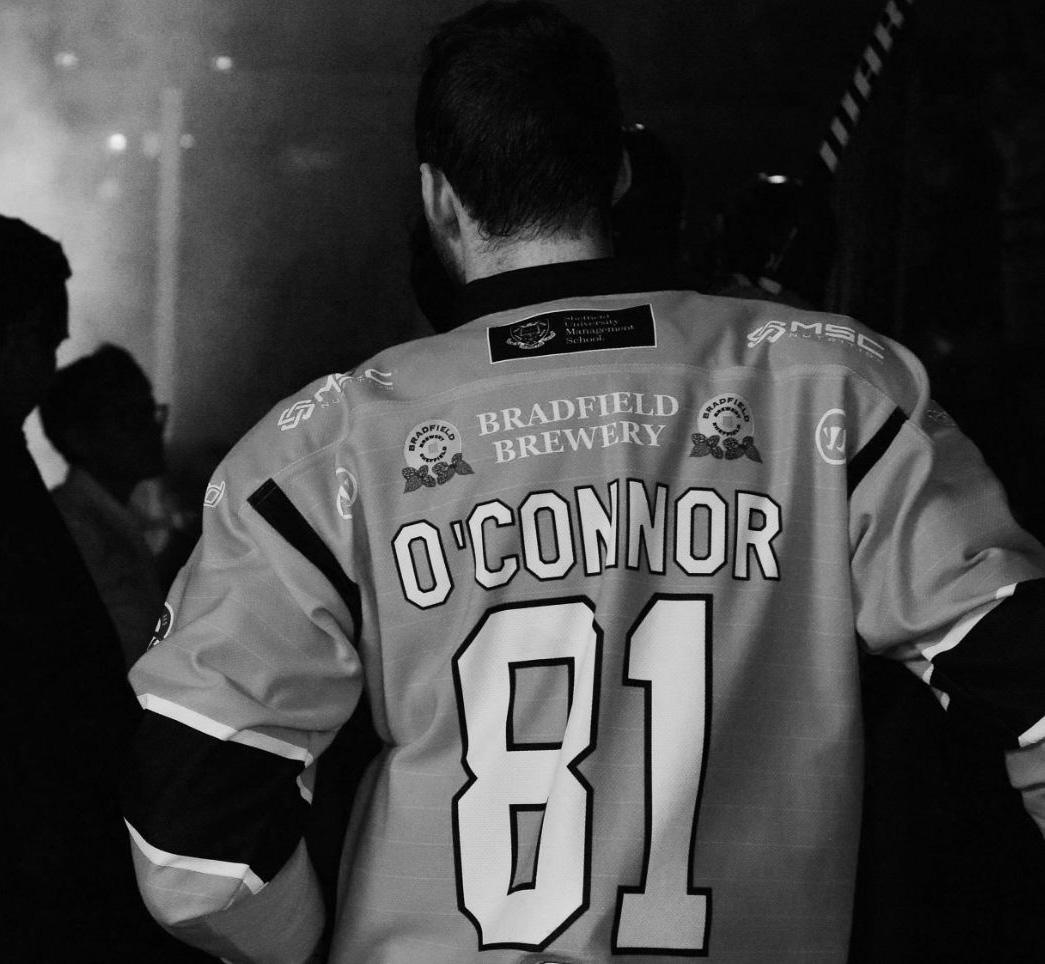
(101, 417)
(647, 218)
(775, 239)
(66, 712)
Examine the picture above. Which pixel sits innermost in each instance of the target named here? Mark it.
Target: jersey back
(612, 556)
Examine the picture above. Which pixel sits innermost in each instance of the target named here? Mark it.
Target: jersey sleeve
(946, 581)
(256, 673)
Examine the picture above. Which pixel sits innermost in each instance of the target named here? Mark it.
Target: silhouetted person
(66, 888)
(101, 416)
(775, 241)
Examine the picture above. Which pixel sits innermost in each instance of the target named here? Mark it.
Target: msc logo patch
(299, 412)
(433, 455)
(726, 430)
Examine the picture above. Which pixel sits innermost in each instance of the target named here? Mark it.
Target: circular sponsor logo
(831, 437)
(727, 416)
(431, 442)
(347, 492)
(163, 625)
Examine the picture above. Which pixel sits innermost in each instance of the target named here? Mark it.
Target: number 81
(666, 655)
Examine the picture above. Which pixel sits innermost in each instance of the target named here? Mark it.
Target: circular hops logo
(725, 429)
(433, 455)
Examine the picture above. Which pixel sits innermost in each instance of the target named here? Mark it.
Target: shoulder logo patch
(329, 392)
(163, 626)
(434, 455)
(831, 437)
(818, 330)
(347, 492)
(573, 330)
(214, 494)
(726, 429)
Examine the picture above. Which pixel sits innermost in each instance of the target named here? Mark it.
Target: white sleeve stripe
(964, 626)
(200, 865)
(306, 794)
(1034, 735)
(221, 731)
(1005, 591)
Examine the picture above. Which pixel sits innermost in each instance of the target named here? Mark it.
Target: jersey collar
(552, 282)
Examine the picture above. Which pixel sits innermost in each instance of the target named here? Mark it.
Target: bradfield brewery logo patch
(574, 330)
(433, 455)
(163, 626)
(530, 334)
(726, 429)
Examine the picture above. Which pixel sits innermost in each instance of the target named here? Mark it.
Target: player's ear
(623, 184)
(440, 201)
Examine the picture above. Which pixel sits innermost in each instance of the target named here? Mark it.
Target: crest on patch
(433, 455)
(531, 334)
(725, 429)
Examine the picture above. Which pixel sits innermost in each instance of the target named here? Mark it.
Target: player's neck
(486, 260)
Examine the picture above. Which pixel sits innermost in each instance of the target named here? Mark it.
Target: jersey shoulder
(784, 339)
(292, 432)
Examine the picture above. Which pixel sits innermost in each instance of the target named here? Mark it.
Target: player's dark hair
(518, 107)
(90, 388)
(33, 269)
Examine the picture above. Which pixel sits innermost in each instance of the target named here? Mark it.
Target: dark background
(298, 188)
(298, 180)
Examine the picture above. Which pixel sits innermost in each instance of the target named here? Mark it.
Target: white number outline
(646, 685)
(573, 766)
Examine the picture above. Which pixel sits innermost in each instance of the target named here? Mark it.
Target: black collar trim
(551, 282)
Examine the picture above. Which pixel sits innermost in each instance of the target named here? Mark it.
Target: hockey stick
(839, 132)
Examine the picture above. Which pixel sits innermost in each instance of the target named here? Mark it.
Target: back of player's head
(33, 271)
(518, 107)
(105, 385)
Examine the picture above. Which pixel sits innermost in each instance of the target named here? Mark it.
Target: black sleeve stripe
(272, 504)
(864, 460)
(1000, 664)
(189, 793)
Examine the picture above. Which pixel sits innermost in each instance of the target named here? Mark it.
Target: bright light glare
(222, 62)
(117, 143)
(66, 59)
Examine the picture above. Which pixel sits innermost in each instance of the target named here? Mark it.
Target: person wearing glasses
(101, 417)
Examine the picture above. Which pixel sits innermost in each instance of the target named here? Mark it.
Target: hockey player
(602, 558)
